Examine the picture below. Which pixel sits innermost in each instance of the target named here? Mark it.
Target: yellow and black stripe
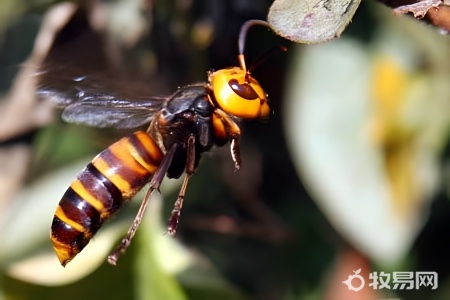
(113, 176)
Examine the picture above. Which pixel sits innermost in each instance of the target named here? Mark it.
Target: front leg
(235, 153)
(226, 129)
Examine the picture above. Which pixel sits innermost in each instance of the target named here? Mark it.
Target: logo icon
(349, 281)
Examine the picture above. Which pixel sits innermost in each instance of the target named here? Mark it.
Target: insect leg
(154, 185)
(234, 132)
(190, 167)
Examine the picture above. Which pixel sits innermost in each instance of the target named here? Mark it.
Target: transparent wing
(100, 110)
(91, 103)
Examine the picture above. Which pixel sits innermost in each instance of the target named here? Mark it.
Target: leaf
(311, 21)
(156, 269)
(364, 134)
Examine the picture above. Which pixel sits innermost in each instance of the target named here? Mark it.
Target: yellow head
(237, 93)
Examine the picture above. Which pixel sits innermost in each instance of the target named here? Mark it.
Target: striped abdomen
(113, 176)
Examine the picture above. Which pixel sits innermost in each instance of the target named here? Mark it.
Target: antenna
(262, 58)
(242, 38)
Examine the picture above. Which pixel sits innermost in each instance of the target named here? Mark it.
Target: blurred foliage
(258, 232)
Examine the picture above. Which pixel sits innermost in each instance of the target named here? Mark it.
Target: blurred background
(350, 176)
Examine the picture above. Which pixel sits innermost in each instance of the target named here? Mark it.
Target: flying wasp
(182, 126)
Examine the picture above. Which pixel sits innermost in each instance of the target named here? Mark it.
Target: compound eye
(243, 90)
